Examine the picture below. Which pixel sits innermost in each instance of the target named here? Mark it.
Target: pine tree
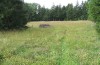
(69, 12)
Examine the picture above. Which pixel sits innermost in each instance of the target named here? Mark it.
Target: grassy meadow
(64, 43)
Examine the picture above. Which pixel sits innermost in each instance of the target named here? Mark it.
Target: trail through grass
(64, 43)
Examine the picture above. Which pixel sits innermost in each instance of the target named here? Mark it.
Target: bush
(12, 14)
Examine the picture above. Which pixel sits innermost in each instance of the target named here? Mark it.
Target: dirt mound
(44, 25)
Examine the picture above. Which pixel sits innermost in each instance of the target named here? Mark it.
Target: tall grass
(64, 43)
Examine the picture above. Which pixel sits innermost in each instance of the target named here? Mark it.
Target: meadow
(64, 43)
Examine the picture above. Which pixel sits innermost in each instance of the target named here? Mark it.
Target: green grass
(64, 43)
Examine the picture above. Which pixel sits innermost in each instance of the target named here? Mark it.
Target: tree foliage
(58, 13)
(12, 14)
(94, 12)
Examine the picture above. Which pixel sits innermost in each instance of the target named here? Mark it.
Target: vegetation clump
(1, 58)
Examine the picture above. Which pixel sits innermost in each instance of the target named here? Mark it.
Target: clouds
(49, 3)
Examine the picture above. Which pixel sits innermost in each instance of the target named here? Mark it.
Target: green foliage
(12, 14)
(94, 13)
(57, 13)
(32, 10)
(1, 58)
(98, 28)
(80, 11)
(94, 10)
(69, 12)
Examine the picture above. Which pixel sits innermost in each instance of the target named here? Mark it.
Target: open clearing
(64, 43)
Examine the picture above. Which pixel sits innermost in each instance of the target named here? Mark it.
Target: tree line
(58, 12)
(16, 13)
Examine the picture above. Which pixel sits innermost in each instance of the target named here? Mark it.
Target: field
(64, 43)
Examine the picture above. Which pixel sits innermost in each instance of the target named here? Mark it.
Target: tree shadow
(14, 29)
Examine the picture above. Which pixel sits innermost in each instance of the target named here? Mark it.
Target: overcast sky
(49, 3)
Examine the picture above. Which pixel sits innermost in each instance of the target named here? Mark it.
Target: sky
(49, 3)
